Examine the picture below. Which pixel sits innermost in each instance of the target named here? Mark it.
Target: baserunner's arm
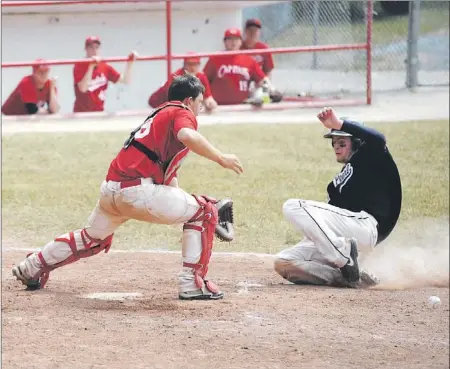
(367, 134)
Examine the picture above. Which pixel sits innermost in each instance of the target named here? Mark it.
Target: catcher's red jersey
(158, 134)
(229, 77)
(160, 96)
(265, 61)
(94, 98)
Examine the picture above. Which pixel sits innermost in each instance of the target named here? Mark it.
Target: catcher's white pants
(326, 246)
(146, 202)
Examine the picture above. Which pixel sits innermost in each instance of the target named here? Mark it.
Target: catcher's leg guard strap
(207, 214)
(81, 245)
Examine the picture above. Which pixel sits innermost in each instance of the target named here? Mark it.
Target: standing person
(35, 93)
(142, 184)
(364, 205)
(230, 75)
(191, 66)
(91, 79)
(252, 34)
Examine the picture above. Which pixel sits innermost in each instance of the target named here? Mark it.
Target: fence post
(369, 24)
(169, 38)
(316, 19)
(412, 60)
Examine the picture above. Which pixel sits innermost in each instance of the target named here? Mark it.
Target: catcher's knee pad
(207, 214)
(82, 246)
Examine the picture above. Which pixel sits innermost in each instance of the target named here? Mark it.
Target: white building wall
(26, 37)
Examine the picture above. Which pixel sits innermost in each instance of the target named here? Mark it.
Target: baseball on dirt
(434, 302)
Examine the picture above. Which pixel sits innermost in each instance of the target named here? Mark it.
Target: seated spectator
(191, 66)
(230, 75)
(35, 94)
(252, 34)
(91, 80)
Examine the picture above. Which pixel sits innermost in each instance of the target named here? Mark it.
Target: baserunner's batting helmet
(356, 142)
(335, 132)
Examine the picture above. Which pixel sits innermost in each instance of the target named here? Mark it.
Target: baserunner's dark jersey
(370, 181)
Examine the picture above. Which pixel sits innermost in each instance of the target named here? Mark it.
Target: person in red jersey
(191, 66)
(251, 40)
(35, 94)
(230, 75)
(142, 184)
(91, 79)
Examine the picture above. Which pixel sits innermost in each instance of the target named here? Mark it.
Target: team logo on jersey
(97, 82)
(343, 177)
(233, 69)
(258, 58)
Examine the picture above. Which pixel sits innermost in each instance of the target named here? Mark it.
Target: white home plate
(242, 287)
(248, 284)
(113, 296)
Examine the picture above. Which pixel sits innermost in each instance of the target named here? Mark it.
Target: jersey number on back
(145, 129)
(141, 131)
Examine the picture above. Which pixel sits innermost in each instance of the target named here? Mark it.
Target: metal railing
(364, 45)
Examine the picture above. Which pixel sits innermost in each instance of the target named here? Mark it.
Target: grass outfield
(50, 182)
(385, 30)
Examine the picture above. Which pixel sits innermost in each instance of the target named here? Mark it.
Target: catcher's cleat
(350, 271)
(225, 224)
(32, 284)
(368, 279)
(200, 295)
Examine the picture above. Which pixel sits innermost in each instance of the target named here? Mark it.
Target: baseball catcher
(142, 184)
(363, 208)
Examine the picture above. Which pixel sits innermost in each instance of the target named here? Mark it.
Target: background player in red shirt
(191, 66)
(230, 75)
(91, 80)
(35, 94)
(142, 184)
(252, 34)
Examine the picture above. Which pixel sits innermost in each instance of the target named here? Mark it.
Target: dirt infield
(262, 322)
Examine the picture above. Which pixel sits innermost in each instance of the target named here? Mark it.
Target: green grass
(50, 182)
(385, 30)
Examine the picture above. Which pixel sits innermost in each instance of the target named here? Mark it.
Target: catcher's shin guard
(81, 245)
(208, 215)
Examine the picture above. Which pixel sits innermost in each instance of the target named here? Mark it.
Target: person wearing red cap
(230, 75)
(91, 80)
(191, 66)
(35, 94)
(251, 41)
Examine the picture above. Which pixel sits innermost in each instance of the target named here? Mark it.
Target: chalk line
(150, 251)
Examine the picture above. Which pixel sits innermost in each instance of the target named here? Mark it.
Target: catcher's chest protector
(168, 168)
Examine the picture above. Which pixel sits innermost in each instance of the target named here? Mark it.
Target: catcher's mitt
(225, 226)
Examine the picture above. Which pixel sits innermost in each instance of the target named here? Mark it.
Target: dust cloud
(416, 254)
